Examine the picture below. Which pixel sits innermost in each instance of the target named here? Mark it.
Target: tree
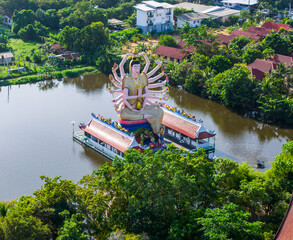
(276, 108)
(196, 36)
(250, 55)
(22, 19)
(73, 229)
(150, 190)
(3, 43)
(167, 40)
(178, 11)
(19, 222)
(88, 40)
(33, 32)
(268, 53)
(229, 223)
(238, 43)
(234, 88)
(219, 63)
(194, 82)
(210, 22)
(276, 42)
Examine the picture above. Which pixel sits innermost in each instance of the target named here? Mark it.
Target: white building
(194, 19)
(154, 16)
(6, 57)
(239, 4)
(7, 19)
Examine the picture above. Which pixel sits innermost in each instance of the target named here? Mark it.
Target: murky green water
(36, 131)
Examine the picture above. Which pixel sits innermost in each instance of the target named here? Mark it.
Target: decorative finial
(135, 55)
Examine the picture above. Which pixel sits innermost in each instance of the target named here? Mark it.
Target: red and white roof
(188, 127)
(110, 135)
(285, 231)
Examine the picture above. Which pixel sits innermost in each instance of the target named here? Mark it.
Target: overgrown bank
(47, 76)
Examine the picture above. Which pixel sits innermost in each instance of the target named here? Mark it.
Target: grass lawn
(19, 47)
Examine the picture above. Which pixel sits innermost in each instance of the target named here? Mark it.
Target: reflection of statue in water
(134, 102)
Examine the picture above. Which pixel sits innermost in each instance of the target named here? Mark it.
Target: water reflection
(48, 84)
(88, 83)
(227, 121)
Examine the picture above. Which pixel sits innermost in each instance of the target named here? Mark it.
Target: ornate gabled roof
(184, 125)
(109, 135)
(285, 231)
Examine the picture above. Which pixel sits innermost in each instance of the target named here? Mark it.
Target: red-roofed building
(58, 48)
(259, 67)
(186, 132)
(225, 39)
(287, 60)
(262, 32)
(101, 133)
(237, 33)
(7, 19)
(173, 54)
(68, 56)
(275, 26)
(182, 45)
(285, 231)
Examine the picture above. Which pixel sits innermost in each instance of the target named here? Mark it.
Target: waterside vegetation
(166, 195)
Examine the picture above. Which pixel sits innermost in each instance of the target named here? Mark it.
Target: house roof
(152, 5)
(242, 2)
(185, 126)
(69, 56)
(259, 67)
(108, 134)
(143, 7)
(169, 52)
(115, 21)
(192, 16)
(275, 26)
(9, 15)
(237, 33)
(259, 31)
(287, 60)
(155, 4)
(193, 6)
(6, 55)
(57, 46)
(285, 231)
(222, 13)
(181, 46)
(225, 38)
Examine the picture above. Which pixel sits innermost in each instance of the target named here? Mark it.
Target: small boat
(260, 164)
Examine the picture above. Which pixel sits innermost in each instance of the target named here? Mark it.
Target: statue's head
(134, 67)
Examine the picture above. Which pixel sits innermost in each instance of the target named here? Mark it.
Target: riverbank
(75, 72)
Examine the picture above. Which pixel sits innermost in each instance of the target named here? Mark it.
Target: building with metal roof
(194, 19)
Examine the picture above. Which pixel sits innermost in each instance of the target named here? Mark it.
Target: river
(36, 131)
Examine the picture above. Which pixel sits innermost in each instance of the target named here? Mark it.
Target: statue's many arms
(136, 101)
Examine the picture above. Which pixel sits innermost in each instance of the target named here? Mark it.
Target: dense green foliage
(167, 40)
(166, 195)
(209, 73)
